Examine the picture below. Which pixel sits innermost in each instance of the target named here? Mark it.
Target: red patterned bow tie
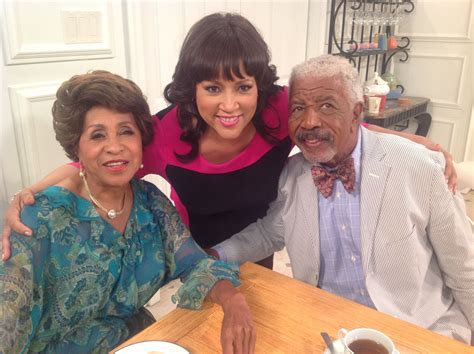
(324, 179)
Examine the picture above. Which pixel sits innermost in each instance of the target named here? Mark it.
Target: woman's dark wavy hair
(218, 44)
(99, 88)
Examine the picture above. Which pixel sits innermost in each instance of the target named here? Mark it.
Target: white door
(440, 67)
(44, 44)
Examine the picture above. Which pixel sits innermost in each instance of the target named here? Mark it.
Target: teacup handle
(342, 333)
(402, 89)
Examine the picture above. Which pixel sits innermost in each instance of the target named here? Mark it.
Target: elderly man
(365, 215)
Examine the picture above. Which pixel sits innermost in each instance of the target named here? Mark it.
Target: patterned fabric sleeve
(202, 276)
(186, 260)
(21, 290)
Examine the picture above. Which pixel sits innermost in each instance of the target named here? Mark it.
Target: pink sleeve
(364, 124)
(75, 164)
(152, 160)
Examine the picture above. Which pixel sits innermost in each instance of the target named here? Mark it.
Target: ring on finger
(15, 194)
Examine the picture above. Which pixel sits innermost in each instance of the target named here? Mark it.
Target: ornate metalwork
(368, 17)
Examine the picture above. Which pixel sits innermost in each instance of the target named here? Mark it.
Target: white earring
(81, 171)
(141, 166)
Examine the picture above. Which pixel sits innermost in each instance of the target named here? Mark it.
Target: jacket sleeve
(453, 242)
(263, 237)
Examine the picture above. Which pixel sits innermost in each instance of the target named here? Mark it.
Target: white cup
(373, 103)
(349, 337)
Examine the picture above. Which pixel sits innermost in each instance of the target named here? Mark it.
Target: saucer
(338, 347)
(153, 346)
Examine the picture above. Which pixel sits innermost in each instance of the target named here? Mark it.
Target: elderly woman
(104, 246)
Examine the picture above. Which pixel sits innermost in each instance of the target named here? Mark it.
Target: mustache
(315, 133)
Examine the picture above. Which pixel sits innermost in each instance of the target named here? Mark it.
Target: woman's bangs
(223, 62)
(232, 60)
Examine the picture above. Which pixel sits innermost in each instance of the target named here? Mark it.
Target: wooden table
(289, 315)
(398, 112)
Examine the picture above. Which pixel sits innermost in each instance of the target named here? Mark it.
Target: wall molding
(18, 52)
(445, 103)
(144, 59)
(464, 37)
(439, 38)
(316, 34)
(452, 125)
(469, 150)
(3, 189)
(22, 98)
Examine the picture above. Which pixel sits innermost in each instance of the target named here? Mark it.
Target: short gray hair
(330, 66)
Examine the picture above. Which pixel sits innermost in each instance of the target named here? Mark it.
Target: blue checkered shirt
(341, 270)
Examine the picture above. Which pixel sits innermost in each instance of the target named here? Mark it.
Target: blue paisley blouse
(70, 288)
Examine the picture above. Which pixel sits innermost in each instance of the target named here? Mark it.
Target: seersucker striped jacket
(416, 242)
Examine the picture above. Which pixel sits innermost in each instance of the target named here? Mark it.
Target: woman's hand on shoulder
(449, 170)
(12, 219)
(26, 197)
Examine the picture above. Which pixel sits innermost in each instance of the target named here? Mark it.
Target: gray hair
(331, 66)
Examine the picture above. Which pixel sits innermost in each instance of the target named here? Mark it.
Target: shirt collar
(357, 154)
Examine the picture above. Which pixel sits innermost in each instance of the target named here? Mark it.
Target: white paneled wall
(44, 44)
(441, 68)
(35, 31)
(37, 147)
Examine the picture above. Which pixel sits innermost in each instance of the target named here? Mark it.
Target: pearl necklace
(111, 213)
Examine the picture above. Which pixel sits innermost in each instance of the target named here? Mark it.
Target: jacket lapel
(374, 175)
(308, 195)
